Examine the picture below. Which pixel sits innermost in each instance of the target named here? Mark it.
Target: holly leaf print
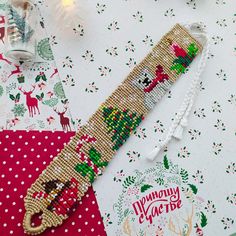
(193, 188)
(166, 162)
(145, 187)
(203, 220)
(184, 175)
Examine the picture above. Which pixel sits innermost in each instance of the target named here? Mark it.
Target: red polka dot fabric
(23, 156)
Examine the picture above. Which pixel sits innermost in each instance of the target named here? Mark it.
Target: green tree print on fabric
(121, 124)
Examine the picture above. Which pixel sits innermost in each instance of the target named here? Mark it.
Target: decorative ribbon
(57, 191)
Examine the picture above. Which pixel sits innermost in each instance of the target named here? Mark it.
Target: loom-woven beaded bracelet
(55, 194)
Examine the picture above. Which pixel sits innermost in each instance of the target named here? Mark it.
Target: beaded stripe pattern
(92, 148)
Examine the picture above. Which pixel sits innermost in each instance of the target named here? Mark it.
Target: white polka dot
(44, 163)
(92, 216)
(87, 195)
(66, 230)
(37, 169)
(32, 149)
(31, 162)
(26, 143)
(17, 162)
(73, 223)
(21, 196)
(12, 217)
(20, 210)
(18, 149)
(0, 203)
(86, 209)
(22, 182)
(80, 216)
(29, 176)
(39, 143)
(93, 202)
(86, 222)
(20, 137)
(11, 232)
(13, 143)
(3, 176)
(7, 136)
(11, 156)
(4, 162)
(15, 189)
(25, 156)
(92, 230)
(16, 176)
(33, 137)
(46, 137)
(99, 222)
(45, 149)
(5, 149)
(9, 182)
(52, 143)
(14, 203)
(19, 224)
(7, 196)
(5, 225)
(23, 169)
(1, 189)
(38, 156)
(79, 230)
(52, 230)
(10, 169)
(6, 210)
(59, 137)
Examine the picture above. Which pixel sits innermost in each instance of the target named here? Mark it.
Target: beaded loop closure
(64, 182)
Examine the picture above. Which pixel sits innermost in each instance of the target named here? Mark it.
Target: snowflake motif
(216, 107)
(194, 133)
(192, 3)
(221, 75)
(210, 207)
(92, 88)
(19, 110)
(221, 22)
(220, 125)
(200, 113)
(198, 177)
(140, 133)
(53, 40)
(231, 168)
(169, 13)
(67, 62)
(131, 63)
(119, 176)
(112, 51)
(69, 81)
(217, 148)
(113, 26)
(220, 2)
(217, 40)
(138, 16)
(232, 99)
(159, 127)
(133, 156)
(227, 222)
(79, 30)
(232, 199)
(104, 71)
(100, 8)
(184, 153)
(88, 56)
(148, 41)
(129, 47)
(107, 219)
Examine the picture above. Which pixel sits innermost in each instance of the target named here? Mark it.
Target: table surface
(94, 58)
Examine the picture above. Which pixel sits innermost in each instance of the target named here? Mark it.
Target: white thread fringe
(181, 119)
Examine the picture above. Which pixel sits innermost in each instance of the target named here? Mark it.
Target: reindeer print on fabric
(154, 86)
(31, 102)
(65, 121)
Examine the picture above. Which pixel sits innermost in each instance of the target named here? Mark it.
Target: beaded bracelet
(55, 194)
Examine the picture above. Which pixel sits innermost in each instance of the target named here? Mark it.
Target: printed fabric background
(98, 54)
(31, 86)
(200, 170)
